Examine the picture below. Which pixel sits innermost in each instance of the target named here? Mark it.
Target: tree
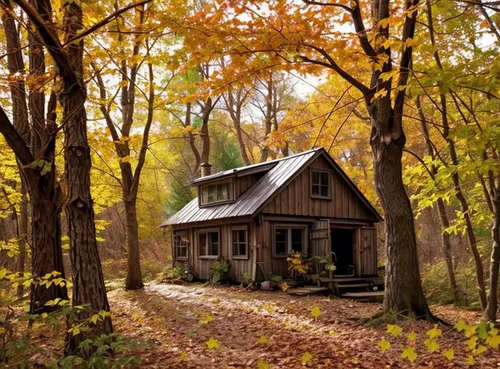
(34, 146)
(138, 104)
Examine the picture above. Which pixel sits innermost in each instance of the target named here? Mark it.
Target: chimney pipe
(206, 169)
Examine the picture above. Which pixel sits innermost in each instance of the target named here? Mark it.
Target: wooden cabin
(255, 216)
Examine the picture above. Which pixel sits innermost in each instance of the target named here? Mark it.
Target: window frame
(207, 231)
(230, 193)
(329, 189)
(289, 227)
(240, 257)
(176, 246)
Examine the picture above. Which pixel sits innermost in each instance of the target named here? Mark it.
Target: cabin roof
(249, 169)
(279, 173)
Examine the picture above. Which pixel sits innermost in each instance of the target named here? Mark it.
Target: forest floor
(257, 329)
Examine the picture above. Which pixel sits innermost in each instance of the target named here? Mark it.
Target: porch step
(373, 296)
(353, 285)
(305, 291)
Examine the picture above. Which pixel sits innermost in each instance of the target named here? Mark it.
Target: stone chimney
(206, 169)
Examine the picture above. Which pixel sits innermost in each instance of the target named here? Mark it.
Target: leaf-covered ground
(197, 326)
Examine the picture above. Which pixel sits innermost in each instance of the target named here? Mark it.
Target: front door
(343, 251)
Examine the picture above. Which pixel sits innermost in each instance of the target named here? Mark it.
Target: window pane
(214, 243)
(324, 178)
(212, 193)
(324, 191)
(222, 192)
(297, 240)
(315, 177)
(243, 249)
(204, 193)
(315, 189)
(203, 243)
(182, 252)
(281, 241)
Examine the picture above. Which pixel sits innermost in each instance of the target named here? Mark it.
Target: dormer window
(320, 184)
(217, 193)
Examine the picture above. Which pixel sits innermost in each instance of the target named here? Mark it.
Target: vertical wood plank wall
(295, 199)
(201, 267)
(366, 253)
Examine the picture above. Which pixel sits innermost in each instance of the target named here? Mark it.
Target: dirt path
(181, 319)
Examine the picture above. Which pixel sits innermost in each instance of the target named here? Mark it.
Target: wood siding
(366, 251)
(201, 266)
(295, 199)
(244, 183)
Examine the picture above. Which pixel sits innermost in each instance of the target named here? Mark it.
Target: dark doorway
(342, 248)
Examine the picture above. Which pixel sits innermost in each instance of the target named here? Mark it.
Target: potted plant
(297, 266)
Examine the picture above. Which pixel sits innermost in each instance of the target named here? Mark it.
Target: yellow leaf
(470, 360)
(95, 318)
(479, 350)
(384, 345)
(262, 364)
(381, 93)
(394, 329)
(470, 331)
(434, 332)
(315, 312)
(331, 333)
(412, 337)
(263, 340)
(493, 341)
(184, 356)
(432, 345)
(460, 326)
(449, 354)
(205, 319)
(384, 22)
(472, 343)
(212, 343)
(409, 353)
(306, 358)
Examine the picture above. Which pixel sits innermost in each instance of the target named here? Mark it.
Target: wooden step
(304, 291)
(354, 285)
(365, 296)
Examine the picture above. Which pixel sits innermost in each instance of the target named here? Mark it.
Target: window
(181, 244)
(320, 184)
(239, 242)
(217, 192)
(208, 242)
(288, 239)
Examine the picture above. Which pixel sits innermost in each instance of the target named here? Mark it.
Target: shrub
(180, 273)
(246, 278)
(219, 271)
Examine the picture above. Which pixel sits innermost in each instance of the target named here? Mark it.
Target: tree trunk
(448, 257)
(46, 238)
(134, 274)
(492, 306)
(88, 280)
(23, 235)
(43, 189)
(403, 288)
